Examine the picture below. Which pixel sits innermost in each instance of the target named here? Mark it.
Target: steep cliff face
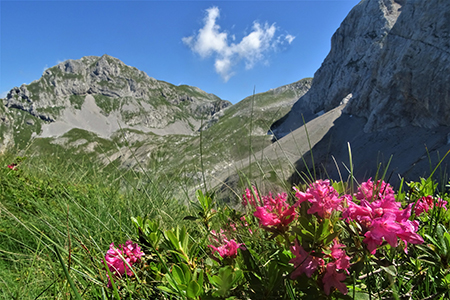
(388, 71)
(391, 60)
(119, 93)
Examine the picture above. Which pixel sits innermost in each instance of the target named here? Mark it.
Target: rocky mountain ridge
(124, 94)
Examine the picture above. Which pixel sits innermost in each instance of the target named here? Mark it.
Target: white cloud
(289, 38)
(3, 94)
(252, 49)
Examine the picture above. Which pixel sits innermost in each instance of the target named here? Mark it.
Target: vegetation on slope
(60, 217)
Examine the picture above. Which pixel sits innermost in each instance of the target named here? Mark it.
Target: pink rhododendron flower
(245, 223)
(441, 203)
(225, 247)
(130, 252)
(342, 260)
(371, 192)
(324, 198)
(381, 217)
(248, 198)
(218, 237)
(409, 233)
(427, 203)
(384, 227)
(303, 261)
(233, 226)
(12, 167)
(276, 214)
(333, 278)
(229, 249)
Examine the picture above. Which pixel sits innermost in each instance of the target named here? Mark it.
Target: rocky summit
(389, 71)
(102, 94)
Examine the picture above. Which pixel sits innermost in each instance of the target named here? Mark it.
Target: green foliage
(76, 101)
(204, 210)
(74, 206)
(58, 217)
(22, 128)
(107, 104)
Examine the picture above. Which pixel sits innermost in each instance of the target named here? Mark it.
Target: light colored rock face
(393, 56)
(122, 94)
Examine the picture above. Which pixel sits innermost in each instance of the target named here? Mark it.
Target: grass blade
(66, 272)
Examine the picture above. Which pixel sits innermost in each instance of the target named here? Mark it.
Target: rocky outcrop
(121, 91)
(393, 57)
(389, 69)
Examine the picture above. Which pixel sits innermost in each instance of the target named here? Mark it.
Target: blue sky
(223, 47)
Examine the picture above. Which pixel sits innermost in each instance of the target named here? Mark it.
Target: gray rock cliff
(389, 71)
(393, 57)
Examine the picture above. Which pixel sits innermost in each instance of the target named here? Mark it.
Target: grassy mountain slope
(102, 110)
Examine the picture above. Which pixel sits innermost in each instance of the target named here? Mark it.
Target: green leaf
(216, 281)
(187, 273)
(69, 279)
(275, 275)
(178, 274)
(308, 234)
(173, 239)
(391, 270)
(331, 237)
(152, 225)
(166, 289)
(137, 222)
(323, 230)
(237, 275)
(199, 278)
(153, 237)
(190, 218)
(358, 295)
(447, 243)
(202, 199)
(193, 289)
(306, 224)
(184, 239)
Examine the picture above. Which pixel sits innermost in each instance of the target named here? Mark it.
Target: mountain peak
(125, 94)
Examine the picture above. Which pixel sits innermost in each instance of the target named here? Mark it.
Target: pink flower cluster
(306, 263)
(13, 167)
(381, 217)
(427, 203)
(373, 207)
(276, 214)
(130, 252)
(303, 261)
(225, 247)
(324, 198)
(248, 199)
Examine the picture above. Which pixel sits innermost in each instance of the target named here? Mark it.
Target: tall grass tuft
(77, 209)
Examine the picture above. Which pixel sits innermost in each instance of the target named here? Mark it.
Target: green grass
(53, 111)
(107, 104)
(60, 211)
(76, 206)
(59, 216)
(76, 101)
